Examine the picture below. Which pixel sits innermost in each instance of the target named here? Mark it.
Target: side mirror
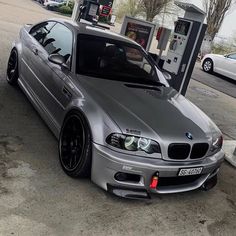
(58, 60)
(167, 75)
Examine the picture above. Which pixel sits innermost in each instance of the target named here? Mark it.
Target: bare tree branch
(150, 8)
(130, 8)
(153, 7)
(216, 11)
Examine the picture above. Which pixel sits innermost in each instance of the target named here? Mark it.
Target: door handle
(35, 51)
(66, 93)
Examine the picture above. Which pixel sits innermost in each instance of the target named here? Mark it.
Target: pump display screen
(182, 27)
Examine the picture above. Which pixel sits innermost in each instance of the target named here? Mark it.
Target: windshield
(114, 60)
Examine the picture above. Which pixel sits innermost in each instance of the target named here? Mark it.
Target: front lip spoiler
(142, 194)
(132, 193)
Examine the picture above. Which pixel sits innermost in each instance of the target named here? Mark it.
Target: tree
(129, 8)
(216, 11)
(153, 7)
(149, 8)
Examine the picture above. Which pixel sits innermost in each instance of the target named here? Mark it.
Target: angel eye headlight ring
(133, 143)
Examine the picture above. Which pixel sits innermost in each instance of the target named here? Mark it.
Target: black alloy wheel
(75, 146)
(12, 68)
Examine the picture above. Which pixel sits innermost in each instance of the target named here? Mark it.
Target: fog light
(154, 182)
(126, 177)
(121, 176)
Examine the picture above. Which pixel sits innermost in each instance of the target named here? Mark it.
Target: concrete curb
(229, 148)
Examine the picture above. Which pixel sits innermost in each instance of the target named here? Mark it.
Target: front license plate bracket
(190, 171)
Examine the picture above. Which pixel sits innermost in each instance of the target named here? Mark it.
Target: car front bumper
(106, 163)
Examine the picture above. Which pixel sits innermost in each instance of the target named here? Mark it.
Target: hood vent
(140, 86)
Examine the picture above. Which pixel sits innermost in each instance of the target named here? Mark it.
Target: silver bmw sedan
(115, 116)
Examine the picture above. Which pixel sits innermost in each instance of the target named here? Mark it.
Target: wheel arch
(211, 59)
(208, 58)
(83, 167)
(99, 122)
(16, 45)
(74, 110)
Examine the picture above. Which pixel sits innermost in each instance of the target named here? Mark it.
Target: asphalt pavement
(216, 81)
(37, 198)
(220, 107)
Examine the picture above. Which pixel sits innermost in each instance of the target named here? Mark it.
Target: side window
(232, 56)
(59, 40)
(55, 38)
(40, 31)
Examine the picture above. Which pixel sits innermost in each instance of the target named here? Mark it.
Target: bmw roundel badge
(189, 136)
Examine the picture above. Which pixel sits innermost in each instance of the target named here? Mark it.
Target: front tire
(75, 146)
(12, 68)
(207, 65)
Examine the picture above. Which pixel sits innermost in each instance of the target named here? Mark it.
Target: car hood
(153, 112)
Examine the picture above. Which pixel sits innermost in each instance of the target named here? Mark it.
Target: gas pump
(183, 50)
(87, 10)
(178, 45)
(90, 10)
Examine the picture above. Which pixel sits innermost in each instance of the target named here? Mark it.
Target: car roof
(94, 30)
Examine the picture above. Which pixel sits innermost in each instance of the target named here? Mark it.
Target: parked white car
(224, 65)
(50, 4)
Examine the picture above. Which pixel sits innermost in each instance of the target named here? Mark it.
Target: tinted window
(40, 31)
(55, 38)
(59, 40)
(232, 56)
(114, 60)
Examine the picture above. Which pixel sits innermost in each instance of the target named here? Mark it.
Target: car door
(231, 65)
(227, 66)
(53, 92)
(30, 49)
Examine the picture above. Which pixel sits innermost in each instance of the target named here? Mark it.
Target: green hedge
(65, 10)
(71, 4)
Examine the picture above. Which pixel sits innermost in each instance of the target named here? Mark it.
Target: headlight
(217, 143)
(132, 143)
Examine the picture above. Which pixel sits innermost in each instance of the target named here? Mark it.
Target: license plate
(190, 171)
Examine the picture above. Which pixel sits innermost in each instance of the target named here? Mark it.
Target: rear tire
(208, 65)
(12, 68)
(75, 146)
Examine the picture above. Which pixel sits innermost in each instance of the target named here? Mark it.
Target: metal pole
(159, 56)
(76, 10)
(190, 59)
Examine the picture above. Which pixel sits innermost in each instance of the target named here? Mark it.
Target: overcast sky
(229, 25)
(228, 28)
